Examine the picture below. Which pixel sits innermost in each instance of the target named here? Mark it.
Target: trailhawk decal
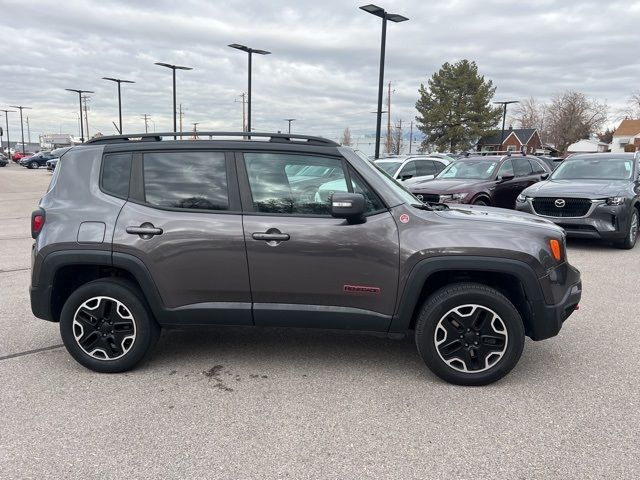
(360, 289)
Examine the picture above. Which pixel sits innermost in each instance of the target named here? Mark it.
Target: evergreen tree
(455, 110)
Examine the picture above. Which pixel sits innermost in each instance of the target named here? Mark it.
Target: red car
(19, 155)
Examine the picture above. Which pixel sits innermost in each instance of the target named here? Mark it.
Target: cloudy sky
(324, 66)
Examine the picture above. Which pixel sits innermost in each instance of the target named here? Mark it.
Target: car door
(505, 187)
(182, 220)
(308, 269)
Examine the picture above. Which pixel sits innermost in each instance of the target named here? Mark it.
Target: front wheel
(106, 326)
(630, 239)
(34, 165)
(469, 334)
(481, 202)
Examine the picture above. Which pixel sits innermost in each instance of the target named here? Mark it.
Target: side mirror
(406, 177)
(506, 178)
(544, 176)
(348, 205)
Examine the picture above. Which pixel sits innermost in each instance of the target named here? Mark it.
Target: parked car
(483, 180)
(37, 160)
(552, 162)
(57, 153)
(592, 196)
(412, 167)
(4, 161)
(18, 155)
(210, 232)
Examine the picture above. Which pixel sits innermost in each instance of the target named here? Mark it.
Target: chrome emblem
(420, 197)
(560, 203)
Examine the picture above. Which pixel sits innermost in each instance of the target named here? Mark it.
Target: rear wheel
(106, 326)
(630, 239)
(34, 165)
(469, 334)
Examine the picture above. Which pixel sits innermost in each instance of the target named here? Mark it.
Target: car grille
(428, 197)
(553, 207)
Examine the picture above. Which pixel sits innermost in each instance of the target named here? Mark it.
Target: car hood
(441, 186)
(498, 215)
(591, 189)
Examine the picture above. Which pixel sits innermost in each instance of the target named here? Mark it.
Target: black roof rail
(157, 137)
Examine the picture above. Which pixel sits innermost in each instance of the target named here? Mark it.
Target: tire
(471, 312)
(630, 239)
(481, 202)
(95, 343)
(34, 165)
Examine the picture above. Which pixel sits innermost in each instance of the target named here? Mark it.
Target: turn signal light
(555, 249)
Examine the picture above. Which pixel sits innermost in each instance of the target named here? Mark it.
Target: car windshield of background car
(479, 170)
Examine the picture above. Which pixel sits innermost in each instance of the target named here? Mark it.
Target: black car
(592, 196)
(4, 161)
(36, 161)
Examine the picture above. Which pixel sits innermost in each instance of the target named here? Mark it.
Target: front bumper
(608, 222)
(554, 316)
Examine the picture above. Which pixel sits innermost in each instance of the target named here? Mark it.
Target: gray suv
(138, 233)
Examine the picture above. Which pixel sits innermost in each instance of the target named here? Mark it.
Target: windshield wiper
(431, 206)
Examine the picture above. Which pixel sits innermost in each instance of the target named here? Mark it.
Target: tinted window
(115, 174)
(389, 167)
(279, 185)
(192, 180)
(439, 166)
(409, 170)
(537, 167)
(521, 167)
(506, 169)
(425, 167)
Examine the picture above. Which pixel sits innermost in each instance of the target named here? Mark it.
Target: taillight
(37, 222)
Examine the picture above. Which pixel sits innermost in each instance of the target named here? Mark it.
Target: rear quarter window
(116, 170)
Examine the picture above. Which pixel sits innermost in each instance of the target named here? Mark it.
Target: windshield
(388, 167)
(594, 169)
(470, 169)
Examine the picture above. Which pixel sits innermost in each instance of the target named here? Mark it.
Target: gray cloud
(324, 66)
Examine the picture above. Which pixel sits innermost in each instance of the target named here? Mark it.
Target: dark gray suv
(591, 196)
(138, 233)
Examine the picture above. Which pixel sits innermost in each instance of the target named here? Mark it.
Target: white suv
(414, 167)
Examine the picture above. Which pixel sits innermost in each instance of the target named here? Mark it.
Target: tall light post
(119, 81)
(504, 117)
(396, 18)
(79, 92)
(20, 107)
(250, 51)
(289, 120)
(174, 68)
(6, 117)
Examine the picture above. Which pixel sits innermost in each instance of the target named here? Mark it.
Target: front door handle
(146, 230)
(271, 237)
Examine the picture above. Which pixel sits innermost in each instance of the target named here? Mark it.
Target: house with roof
(626, 138)
(514, 140)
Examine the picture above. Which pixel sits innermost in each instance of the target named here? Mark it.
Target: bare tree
(632, 108)
(346, 138)
(572, 116)
(529, 114)
(397, 142)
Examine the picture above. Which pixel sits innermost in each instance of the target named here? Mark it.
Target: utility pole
(289, 120)
(146, 122)
(181, 117)
(195, 130)
(389, 142)
(411, 136)
(28, 131)
(6, 117)
(398, 138)
(85, 99)
(21, 107)
(504, 116)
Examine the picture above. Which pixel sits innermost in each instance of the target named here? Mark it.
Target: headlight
(453, 197)
(521, 198)
(615, 200)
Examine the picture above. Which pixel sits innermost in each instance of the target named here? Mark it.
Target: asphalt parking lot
(242, 403)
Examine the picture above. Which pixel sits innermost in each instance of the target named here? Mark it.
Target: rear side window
(537, 167)
(116, 170)
(190, 180)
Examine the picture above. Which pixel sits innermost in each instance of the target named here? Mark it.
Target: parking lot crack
(29, 352)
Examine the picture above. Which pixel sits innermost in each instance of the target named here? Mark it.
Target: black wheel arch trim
(408, 301)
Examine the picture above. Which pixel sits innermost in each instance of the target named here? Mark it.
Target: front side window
(298, 184)
(506, 169)
(537, 167)
(190, 180)
(408, 171)
(521, 167)
(425, 167)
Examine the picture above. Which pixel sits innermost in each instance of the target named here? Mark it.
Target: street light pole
(174, 68)
(504, 117)
(394, 17)
(119, 81)
(6, 116)
(250, 51)
(20, 107)
(289, 120)
(80, 92)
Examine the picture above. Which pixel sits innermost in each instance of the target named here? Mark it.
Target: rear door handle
(271, 237)
(146, 230)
